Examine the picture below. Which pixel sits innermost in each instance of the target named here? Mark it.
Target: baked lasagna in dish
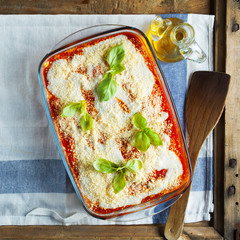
(115, 122)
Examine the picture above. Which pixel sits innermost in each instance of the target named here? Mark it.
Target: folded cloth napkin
(34, 186)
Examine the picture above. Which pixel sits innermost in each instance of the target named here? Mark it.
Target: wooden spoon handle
(174, 225)
(175, 221)
(204, 105)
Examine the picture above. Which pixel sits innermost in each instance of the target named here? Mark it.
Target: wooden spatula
(204, 105)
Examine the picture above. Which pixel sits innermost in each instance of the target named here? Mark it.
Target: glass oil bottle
(173, 40)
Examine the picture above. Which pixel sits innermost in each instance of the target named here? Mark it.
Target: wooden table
(226, 218)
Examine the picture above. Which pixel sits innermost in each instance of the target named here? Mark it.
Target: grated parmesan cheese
(67, 79)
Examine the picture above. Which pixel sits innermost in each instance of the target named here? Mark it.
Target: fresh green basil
(72, 108)
(107, 87)
(105, 166)
(154, 137)
(116, 69)
(116, 55)
(145, 136)
(142, 141)
(134, 165)
(86, 122)
(139, 121)
(119, 182)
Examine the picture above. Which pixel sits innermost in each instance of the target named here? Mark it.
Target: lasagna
(74, 76)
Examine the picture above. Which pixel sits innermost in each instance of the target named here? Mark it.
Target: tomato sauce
(68, 142)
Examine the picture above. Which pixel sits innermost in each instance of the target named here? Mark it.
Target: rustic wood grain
(150, 232)
(202, 233)
(219, 131)
(103, 6)
(232, 118)
(199, 230)
(81, 232)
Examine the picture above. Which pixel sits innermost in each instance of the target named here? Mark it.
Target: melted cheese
(135, 85)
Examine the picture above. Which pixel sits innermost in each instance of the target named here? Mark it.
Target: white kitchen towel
(34, 186)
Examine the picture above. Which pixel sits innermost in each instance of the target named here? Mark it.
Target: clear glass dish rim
(54, 51)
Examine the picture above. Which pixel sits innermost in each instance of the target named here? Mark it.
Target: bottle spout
(183, 36)
(159, 26)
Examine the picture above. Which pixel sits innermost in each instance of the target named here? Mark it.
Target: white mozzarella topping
(67, 79)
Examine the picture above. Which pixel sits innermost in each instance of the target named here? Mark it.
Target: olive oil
(173, 40)
(164, 48)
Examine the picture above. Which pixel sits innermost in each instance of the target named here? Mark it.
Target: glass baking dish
(154, 205)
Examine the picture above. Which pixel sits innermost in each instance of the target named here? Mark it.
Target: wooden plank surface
(191, 231)
(144, 232)
(103, 6)
(219, 131)
(232, 118)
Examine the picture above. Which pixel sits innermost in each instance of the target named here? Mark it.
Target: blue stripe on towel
(201, 179)
(175, 76)
(34, 176)
(49, 176)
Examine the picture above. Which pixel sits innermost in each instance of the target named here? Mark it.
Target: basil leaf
(119, 182)
(115, 69)
(139, 121)
(155, 139)
(86, 122)
(72, 108)
(142, 141)
(134, 165)
(107, 88)
(105, 166)
(116, 55)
